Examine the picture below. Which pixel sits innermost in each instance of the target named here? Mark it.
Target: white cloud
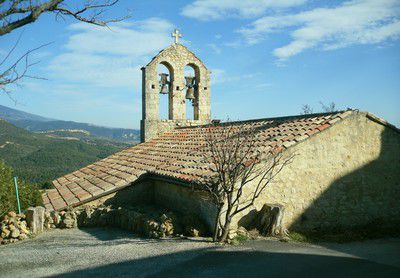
(212, 10)
(216, 49)
(219, 76)
(110, 58)
(96, 76)
(352, 22)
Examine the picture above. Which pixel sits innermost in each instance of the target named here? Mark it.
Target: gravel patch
(101, 252)
(64, 251)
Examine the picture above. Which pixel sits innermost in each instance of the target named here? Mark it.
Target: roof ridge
(381, 121)
(283, 118)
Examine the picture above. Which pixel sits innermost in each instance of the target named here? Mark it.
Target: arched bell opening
(165, 79)
(192, 79)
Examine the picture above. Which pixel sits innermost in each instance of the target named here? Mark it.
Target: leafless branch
(18, 69)
(15, 14)
(306, 109)
(331, 107)
(242, 166)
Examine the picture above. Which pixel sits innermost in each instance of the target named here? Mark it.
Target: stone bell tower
(180, 89)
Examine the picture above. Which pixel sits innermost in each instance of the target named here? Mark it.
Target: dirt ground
(116, 253)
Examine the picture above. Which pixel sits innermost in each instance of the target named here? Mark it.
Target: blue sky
(267, 58)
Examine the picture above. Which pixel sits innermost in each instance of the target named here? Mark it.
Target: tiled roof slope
(175, 154)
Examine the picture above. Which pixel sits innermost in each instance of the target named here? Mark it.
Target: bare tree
(244, 167)
(15, 14)
(306, 109)
(331, 107)
(18, 69)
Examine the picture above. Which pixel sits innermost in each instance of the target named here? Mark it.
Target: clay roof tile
(178, 154)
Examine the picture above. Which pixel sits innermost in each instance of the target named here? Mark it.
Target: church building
(346, 172)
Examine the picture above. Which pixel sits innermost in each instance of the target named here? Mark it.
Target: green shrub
(239, 239)
(29, 194)
(299, 237)
(46, 185)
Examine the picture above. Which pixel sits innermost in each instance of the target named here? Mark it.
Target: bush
(299, 237)
(240, 239)
(29, 194)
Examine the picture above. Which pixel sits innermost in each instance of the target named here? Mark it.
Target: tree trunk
(216, 226)
(225, 231)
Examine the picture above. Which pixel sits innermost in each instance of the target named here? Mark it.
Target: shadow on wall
(367, 198)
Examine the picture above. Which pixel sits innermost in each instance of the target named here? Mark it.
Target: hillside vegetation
(29, 194)
(40, 124)
(39, 158)
(116, 134)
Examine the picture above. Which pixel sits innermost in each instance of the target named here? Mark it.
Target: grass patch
(239, 239)
(299, 237)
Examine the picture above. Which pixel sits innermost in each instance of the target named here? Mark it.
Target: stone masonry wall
(346, 176)
(184, 199)
(175, 58)
(178, 198)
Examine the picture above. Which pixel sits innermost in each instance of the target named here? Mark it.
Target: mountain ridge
(39, 158)
(36, 123)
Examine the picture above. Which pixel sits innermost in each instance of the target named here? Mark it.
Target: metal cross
(177, 35)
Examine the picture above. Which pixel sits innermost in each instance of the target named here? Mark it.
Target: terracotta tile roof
(175, 154)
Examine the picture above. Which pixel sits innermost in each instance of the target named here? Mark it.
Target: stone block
(35, 219)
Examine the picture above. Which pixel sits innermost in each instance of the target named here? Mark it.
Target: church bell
(190, 87)
(164, 83)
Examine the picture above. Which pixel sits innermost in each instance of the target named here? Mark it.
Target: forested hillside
(37, 123)
(40, 158)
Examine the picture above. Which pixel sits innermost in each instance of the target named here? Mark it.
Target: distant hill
(37, 123)
(40, 157)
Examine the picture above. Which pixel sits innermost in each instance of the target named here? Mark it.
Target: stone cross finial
(177, 35)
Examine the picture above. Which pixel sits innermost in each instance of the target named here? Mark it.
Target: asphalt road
(115, 253)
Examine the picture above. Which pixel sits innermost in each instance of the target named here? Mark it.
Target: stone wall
(185, 199)
(347, 176)
(175, 58)
(179, 198)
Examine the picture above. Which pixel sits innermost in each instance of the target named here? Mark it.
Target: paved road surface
(115, 253)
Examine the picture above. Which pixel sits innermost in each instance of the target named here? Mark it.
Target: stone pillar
(35, 219)
(177, 103)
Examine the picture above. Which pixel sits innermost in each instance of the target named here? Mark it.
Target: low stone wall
(147, 221)
(13, 227)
